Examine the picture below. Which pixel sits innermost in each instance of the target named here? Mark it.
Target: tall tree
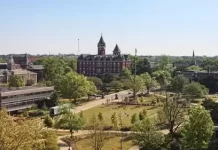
(15, 81)
(107, 77)
(146, 135)
(54, 68)
(97, 137)
(173, 113)
(135, 84)
(194, 68)
(117, 85)
(149, 82)
(20, 134)
(97, 81)
(143, 66)
(195, 90)
(178, 84)
(163, 78)
(73, 86)
(198, 129)
(70, 121)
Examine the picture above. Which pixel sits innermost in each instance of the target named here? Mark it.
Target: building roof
(16, 72)
(24, 90)
(104, 57)
(36, 67)
(101, 41)
(116, 49)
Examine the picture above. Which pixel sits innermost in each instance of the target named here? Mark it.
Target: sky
(153, 27)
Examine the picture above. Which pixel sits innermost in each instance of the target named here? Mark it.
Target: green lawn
(125, 111)
(111, 144)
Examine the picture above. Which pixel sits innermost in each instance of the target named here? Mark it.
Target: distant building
(97, 65)
(14, 99)
(193, 75)
(11, 68)
(193, 62)
(21, 65)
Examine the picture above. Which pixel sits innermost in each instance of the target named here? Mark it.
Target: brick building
(97, 65)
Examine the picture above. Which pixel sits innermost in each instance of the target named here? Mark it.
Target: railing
(25, 98)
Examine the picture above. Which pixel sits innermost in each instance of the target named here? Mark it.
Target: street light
(121, 139)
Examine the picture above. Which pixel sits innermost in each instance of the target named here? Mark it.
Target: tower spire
(101, 46)
(193, 58)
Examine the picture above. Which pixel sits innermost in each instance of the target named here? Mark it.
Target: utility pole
(134, 92)
(78, 48)
(121, 139)
(135, 60)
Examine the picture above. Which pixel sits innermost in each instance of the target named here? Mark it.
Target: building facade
(11, 68)
(14, 99)
(97, 65)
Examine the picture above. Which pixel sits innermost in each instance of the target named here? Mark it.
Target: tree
(69, 120)
(141, 116)
(195, 90)
(71, 62)
(97, 81)
(194, 68)
(54, 68)
(73, 86)
(163, 78)
(210, 82)
(53, 100)
(198, 129)
(173, 113)
(97, 135)
(114, 120)
(100, 117)
(117, 85)
(178, 84)
(2, 60)
(143, 66)
(135, 84)
(134, 118)
(15, 81)
(48, 121)
(30, 82)
(124, 74)
(51, 140)
(107, 77)
(20, 134)
(146, 135)
(149, 82)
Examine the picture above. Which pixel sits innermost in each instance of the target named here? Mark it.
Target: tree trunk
(148, 91)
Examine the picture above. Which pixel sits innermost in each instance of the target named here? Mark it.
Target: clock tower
(101, 46)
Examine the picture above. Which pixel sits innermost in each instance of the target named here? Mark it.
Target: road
(99, 101)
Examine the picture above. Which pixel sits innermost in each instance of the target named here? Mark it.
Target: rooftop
(23, 90)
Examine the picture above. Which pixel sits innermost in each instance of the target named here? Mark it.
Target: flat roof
(24, 90)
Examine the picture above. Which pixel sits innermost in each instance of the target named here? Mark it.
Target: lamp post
(121, 139)
(134, 92)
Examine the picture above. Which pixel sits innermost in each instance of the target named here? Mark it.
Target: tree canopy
(178, 84)
(15, 81)
(97, 81)
(24, 134)
(198, 129)
(149, 82)
(73, 86)
(195, 90)
(146, 135)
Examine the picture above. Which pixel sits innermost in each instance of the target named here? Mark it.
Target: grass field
(111, 144)
(125, 111)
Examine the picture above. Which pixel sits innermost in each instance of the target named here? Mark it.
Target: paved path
(63, 146)
(99, 101)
